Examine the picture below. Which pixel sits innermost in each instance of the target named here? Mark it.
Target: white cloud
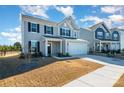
(110, 20)
(94, 19)
(121, 27)
(12, 34)
(116, 18)
(67, 11)
(111, 9)
(38, 10)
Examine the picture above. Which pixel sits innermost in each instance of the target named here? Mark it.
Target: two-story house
(50, 38)
(101, 38)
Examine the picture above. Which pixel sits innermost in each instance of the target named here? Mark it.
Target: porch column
(111, 46)
(46, 51)
(100, 46)
(94, 47)
(60, 46)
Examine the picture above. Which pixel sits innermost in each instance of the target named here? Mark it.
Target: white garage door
(77, 48)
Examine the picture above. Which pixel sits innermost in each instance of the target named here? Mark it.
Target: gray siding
(122, 39)
(87, 35)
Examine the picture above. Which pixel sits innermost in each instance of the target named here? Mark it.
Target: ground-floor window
(115, 46)
(34, 46)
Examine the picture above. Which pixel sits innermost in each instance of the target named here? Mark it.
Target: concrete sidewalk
(102, 77)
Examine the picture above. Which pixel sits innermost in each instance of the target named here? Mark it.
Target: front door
(107, 47)
(49, 49)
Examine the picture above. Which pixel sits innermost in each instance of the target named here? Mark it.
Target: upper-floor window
(64, 32)
(107, 35)
(75, 34)
(48, 30)
(33, 27)
(115, 35)
(99, 33)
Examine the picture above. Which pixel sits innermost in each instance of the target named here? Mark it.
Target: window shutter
(38, 46)
(38, 28)
(69, 32)
(60, 31)
(29, 26)
(45, 29)
(52, 30)
(29, 46)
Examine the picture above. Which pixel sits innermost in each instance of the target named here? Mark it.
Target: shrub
(59, 54)
(118, 51)
(67, 54)
(34, 54)
(91, 52)
(63, 55)
(115, 53)
(112, 51)
(22, 56)
(40, 54)
(103, 51)
(109, 54)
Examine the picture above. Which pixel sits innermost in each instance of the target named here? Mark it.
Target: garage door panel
(77, 48)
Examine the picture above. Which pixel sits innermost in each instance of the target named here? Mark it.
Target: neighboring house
(121, 33)
(50, 38)
(101, 38)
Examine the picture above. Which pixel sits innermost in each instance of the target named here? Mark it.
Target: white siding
(122, 39)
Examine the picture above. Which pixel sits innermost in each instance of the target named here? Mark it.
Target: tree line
(15, 47)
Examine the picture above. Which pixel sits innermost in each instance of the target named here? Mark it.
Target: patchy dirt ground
(120, 82)
(52, 73)
(13, 65)
(9, 54)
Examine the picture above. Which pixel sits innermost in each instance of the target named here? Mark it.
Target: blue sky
(84, 15)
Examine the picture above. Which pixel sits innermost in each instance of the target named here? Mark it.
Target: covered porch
(52, 46)
(104, 46)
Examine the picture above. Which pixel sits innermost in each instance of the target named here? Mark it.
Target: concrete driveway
(109, 61)
(106, 76)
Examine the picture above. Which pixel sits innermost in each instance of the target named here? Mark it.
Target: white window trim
(31, 43)
(75, 33)
(65, 31)
(48, 33)
(36, 27)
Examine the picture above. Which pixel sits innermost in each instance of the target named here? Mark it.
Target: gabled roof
(99, 24)
(37, 18)
(86, 29)
(116, 29)
(70, 22)
(95, 26)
